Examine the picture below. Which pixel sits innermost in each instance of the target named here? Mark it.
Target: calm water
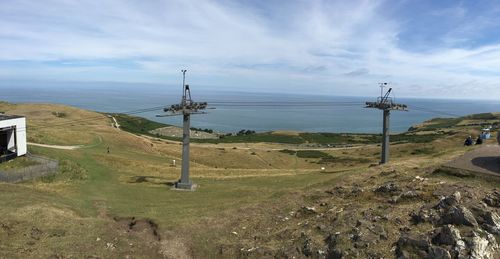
(347, 115)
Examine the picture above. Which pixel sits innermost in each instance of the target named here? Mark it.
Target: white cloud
(318, 44)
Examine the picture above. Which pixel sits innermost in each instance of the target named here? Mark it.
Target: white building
(12, 136)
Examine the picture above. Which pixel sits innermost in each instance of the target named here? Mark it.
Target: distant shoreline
(347, 114)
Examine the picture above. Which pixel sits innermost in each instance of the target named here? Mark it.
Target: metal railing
(45, 166)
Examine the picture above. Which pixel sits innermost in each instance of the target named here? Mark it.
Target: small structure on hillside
(12, 137)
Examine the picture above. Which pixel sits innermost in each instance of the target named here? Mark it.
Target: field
(121, 203)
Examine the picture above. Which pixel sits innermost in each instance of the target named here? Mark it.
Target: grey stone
(458, 216)
(449, 201)
(424, 215)
(493, 199)
(306, 245)
(408, 246)
(409, 195)
(484, 247)
(447, 235)
(436, 252)
(491, 218)
(388, 188)
(492, 223)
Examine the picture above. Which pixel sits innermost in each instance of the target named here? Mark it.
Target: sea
(232, 111)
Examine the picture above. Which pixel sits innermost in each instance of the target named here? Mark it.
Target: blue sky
(423, 48)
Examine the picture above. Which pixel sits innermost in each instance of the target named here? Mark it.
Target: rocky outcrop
(474, 239)
(388, 188)
(493, 199)
(458, 215)
(483, 247)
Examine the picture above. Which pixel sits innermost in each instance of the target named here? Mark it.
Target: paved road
(485, 159)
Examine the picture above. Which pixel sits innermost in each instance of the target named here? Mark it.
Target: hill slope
(254, 199)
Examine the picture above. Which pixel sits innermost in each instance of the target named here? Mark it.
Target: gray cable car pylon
(185, 108)
(386, 104)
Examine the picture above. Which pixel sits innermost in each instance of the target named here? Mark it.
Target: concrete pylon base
(185, 186)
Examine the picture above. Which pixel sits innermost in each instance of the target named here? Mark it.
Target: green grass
(86, 180)
(482, 116)
(288, 151)
(311, 154)
(19, 162)
(339, 138)
(325, 158)
(255, 138)
(137, 125)
(169, 208)
(440, 123)
(68, 171)
(423, 151)
(409, 138)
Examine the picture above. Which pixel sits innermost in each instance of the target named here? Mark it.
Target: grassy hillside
(138, 125)
(121, 204)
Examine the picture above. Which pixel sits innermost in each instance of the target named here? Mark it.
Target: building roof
(9, 117)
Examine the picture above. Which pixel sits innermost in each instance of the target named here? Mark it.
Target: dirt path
(116, 125)
(74, 147)
(56, 146)
(485, 159)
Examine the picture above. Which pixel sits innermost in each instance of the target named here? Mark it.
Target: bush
(312, 154)
(59, 114)
(288, 151)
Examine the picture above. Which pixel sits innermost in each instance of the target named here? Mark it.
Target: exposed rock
(436, 252)
(409, 195)
(424, 215)
(308, 210)
(335, 254)
(492, 223)
(483, 247)
(410, 246)
(491, 218)
(366, 234)
(458, 216)
(493, 199)
(306, 245)
(447, 235)
(333, 251)
(388, 188)
(452, 200)
(337, 190)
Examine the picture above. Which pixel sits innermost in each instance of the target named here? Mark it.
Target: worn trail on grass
(56, 146)
(67, 147)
